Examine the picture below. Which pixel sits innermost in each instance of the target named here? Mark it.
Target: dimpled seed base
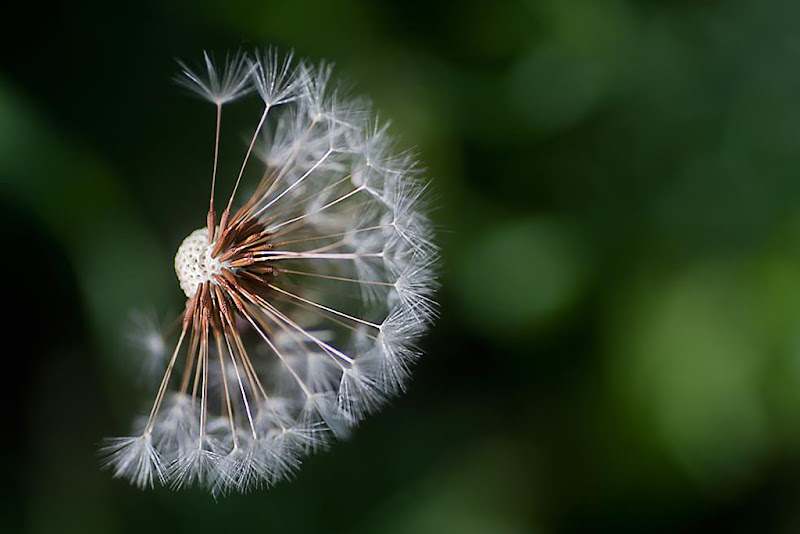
(193, 262)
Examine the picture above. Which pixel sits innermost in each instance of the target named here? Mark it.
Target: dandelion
(304, 300)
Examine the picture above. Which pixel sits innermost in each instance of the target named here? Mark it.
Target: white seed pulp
(193, 262)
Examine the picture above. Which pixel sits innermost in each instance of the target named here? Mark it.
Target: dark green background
(618, 196)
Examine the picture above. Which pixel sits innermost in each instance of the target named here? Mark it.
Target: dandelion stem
(163, 387)
(276, 351)
(320, 210)
(241, 387)
(210, 220)
(295, 184)
(338, 278)
(220, 354)
(226, 213)
(329, 349)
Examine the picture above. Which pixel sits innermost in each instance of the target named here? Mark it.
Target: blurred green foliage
(618, 201)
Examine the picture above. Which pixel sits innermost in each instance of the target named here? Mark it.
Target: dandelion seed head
(305, 297)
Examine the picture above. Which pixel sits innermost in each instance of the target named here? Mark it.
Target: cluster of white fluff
(353, 293)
